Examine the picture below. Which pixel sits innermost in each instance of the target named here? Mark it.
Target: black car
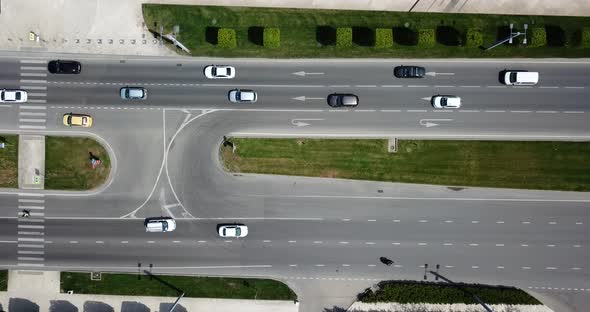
(64, 67)
(342, 99)
(409, 71)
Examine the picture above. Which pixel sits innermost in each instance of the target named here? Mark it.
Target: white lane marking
(365, 110)
(317, 242)
(37, 94)
(475, 222)
(36, 201)
(26, 239)
(391, 86)
(263, 85)
(201, 241)
(417, 86)
(500, 222)
(31, 127)
(292, 265)
(30, 207)
(369, 243)
(526, 268)
(422, 244)
(397, 220)
(524, 245)
(33, 81)
(577, 246)
(470, 86)
(34, 75)
(30, 246)
(73, 242)
(371, 265)
(573, 112)
(292, 241)
(32, 107)
(371, 220)
(448, 244)
(579, 223)
(30, 264)
(574, 87)
(495, 111)
(31, 259)
(340, 86)
(34, 87)
(124, 242)
(150, 242)
(550, 245)
(31, 252)
(345, 265)
(32, 114)
(526, 222)
(31, 233)
(449, 221)
(548, 87)
(319, 265)
(228, 241)
(473, 244)
(28, 61)
(100, 242)
(576, 268)
(176, 242)
(266, 241)
(449, 266)
(391, 110)
(550, 268)
(366, 86)
(546, 112)
(443, 86)
(33, 68)
(344, 243)
(422, 221)
(416, 111)
(26, 226)
(396, 243)
(552, 222)
(31, 120)
(468, 110)
(520, 111)
(345, 220)
(499, 267)
(495, 86)
(475, 266)
(499, 245)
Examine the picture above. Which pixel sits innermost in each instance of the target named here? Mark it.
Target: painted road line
(36, 101)
(25, 226)
(30, 246)
(36, 201)
(33, 68)
(33, 81)
(34, 87)
(27, 61)
(31, 120)
(30, 207)
(33, 74)
(31, 252)
(31, 127)
(37, 94)
(33, 107)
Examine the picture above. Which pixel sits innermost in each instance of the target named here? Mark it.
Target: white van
(160, 224)
(520, 78)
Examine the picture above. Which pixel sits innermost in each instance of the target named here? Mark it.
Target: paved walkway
(37, 291)
(117, 27)
(31, 162)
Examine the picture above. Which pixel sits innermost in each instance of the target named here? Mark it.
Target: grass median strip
(195, 287)
(312, 33)
(526, 165)
(68, 163)
(9, 161)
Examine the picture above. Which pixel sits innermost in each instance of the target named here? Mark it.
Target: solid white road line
(31, 114)
(28, 61)
(33, 74)
(31, 127)
(31, 252)
(36, 101)
(34, 87)
(31, 120)
(36, 201)
(33, 81)
(26, 226)
(32, 107)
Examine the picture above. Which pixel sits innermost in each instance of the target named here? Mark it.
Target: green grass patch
(3, 280)
(526, 165)
(9, 161)
(312, 33)
(195, 287)
(68, 166)
(424, 292)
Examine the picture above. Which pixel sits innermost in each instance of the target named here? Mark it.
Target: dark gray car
(409, 71)
(343, 99)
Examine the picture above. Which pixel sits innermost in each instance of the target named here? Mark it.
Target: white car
(13, 96)
(232, 230)
(220, 72)
(446, 101)
(242, 96)
(160, 224)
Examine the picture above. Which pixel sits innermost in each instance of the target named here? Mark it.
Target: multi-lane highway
(166, 162)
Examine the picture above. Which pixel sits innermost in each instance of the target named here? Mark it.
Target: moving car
(77, 120)
(64, 67)
(133, 93)
(343, 99)
(13, 96)
(160, 224)
(519, 77)
(232, 230)
(446, 101)
(241, 95)
(409, 71)
(220, 72)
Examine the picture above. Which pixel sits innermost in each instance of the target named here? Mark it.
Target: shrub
(383, 38)
(344, 37)
(426, 37)
(585, 42)
(226, 38)
(538, 37)
(271, 38)
(474, 38)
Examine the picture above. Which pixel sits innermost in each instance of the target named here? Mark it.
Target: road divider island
(305, 33)
(71, 163)
(505, 164)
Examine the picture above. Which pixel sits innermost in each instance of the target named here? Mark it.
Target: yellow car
(77, 120)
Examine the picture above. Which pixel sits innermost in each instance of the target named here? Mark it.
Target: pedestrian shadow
(62, 306)
(20, 304)
(97, 306)
(134, 306)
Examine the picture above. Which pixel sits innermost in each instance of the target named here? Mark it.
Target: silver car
(241, 95)
(133, 93)
(446, 101)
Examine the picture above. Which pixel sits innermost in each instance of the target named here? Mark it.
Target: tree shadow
(405, 36)
(449, 36)
(211, 34)
(325, 35)
(556, 36)
(334, 309)
(62, 306)
(97, 306)
(256, 35)
(134, 306)
(20, 304)
(363, 36)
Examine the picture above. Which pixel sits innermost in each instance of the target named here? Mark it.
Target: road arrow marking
(433, 74)
(302, 73)
(304, 98)
(299, 122)
(428, 122)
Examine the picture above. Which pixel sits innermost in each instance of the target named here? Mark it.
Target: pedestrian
(26, 213)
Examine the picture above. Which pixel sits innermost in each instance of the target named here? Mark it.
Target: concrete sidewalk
(117, 27)
(39, 291)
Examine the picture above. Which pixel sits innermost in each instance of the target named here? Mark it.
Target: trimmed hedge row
(344, 37)
(424, 292)
(271, 38)
(474, 38)
(226, 38)
(538, 37)
(585, 37)
(426, 38)
(383, 38)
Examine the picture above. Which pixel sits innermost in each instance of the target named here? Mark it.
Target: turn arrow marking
(302, 73)
(299, 121)
(428, 122)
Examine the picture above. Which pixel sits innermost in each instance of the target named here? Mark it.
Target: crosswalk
(33, 79)
(31, 230)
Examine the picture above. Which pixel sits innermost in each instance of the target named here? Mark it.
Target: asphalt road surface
(302, 230)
